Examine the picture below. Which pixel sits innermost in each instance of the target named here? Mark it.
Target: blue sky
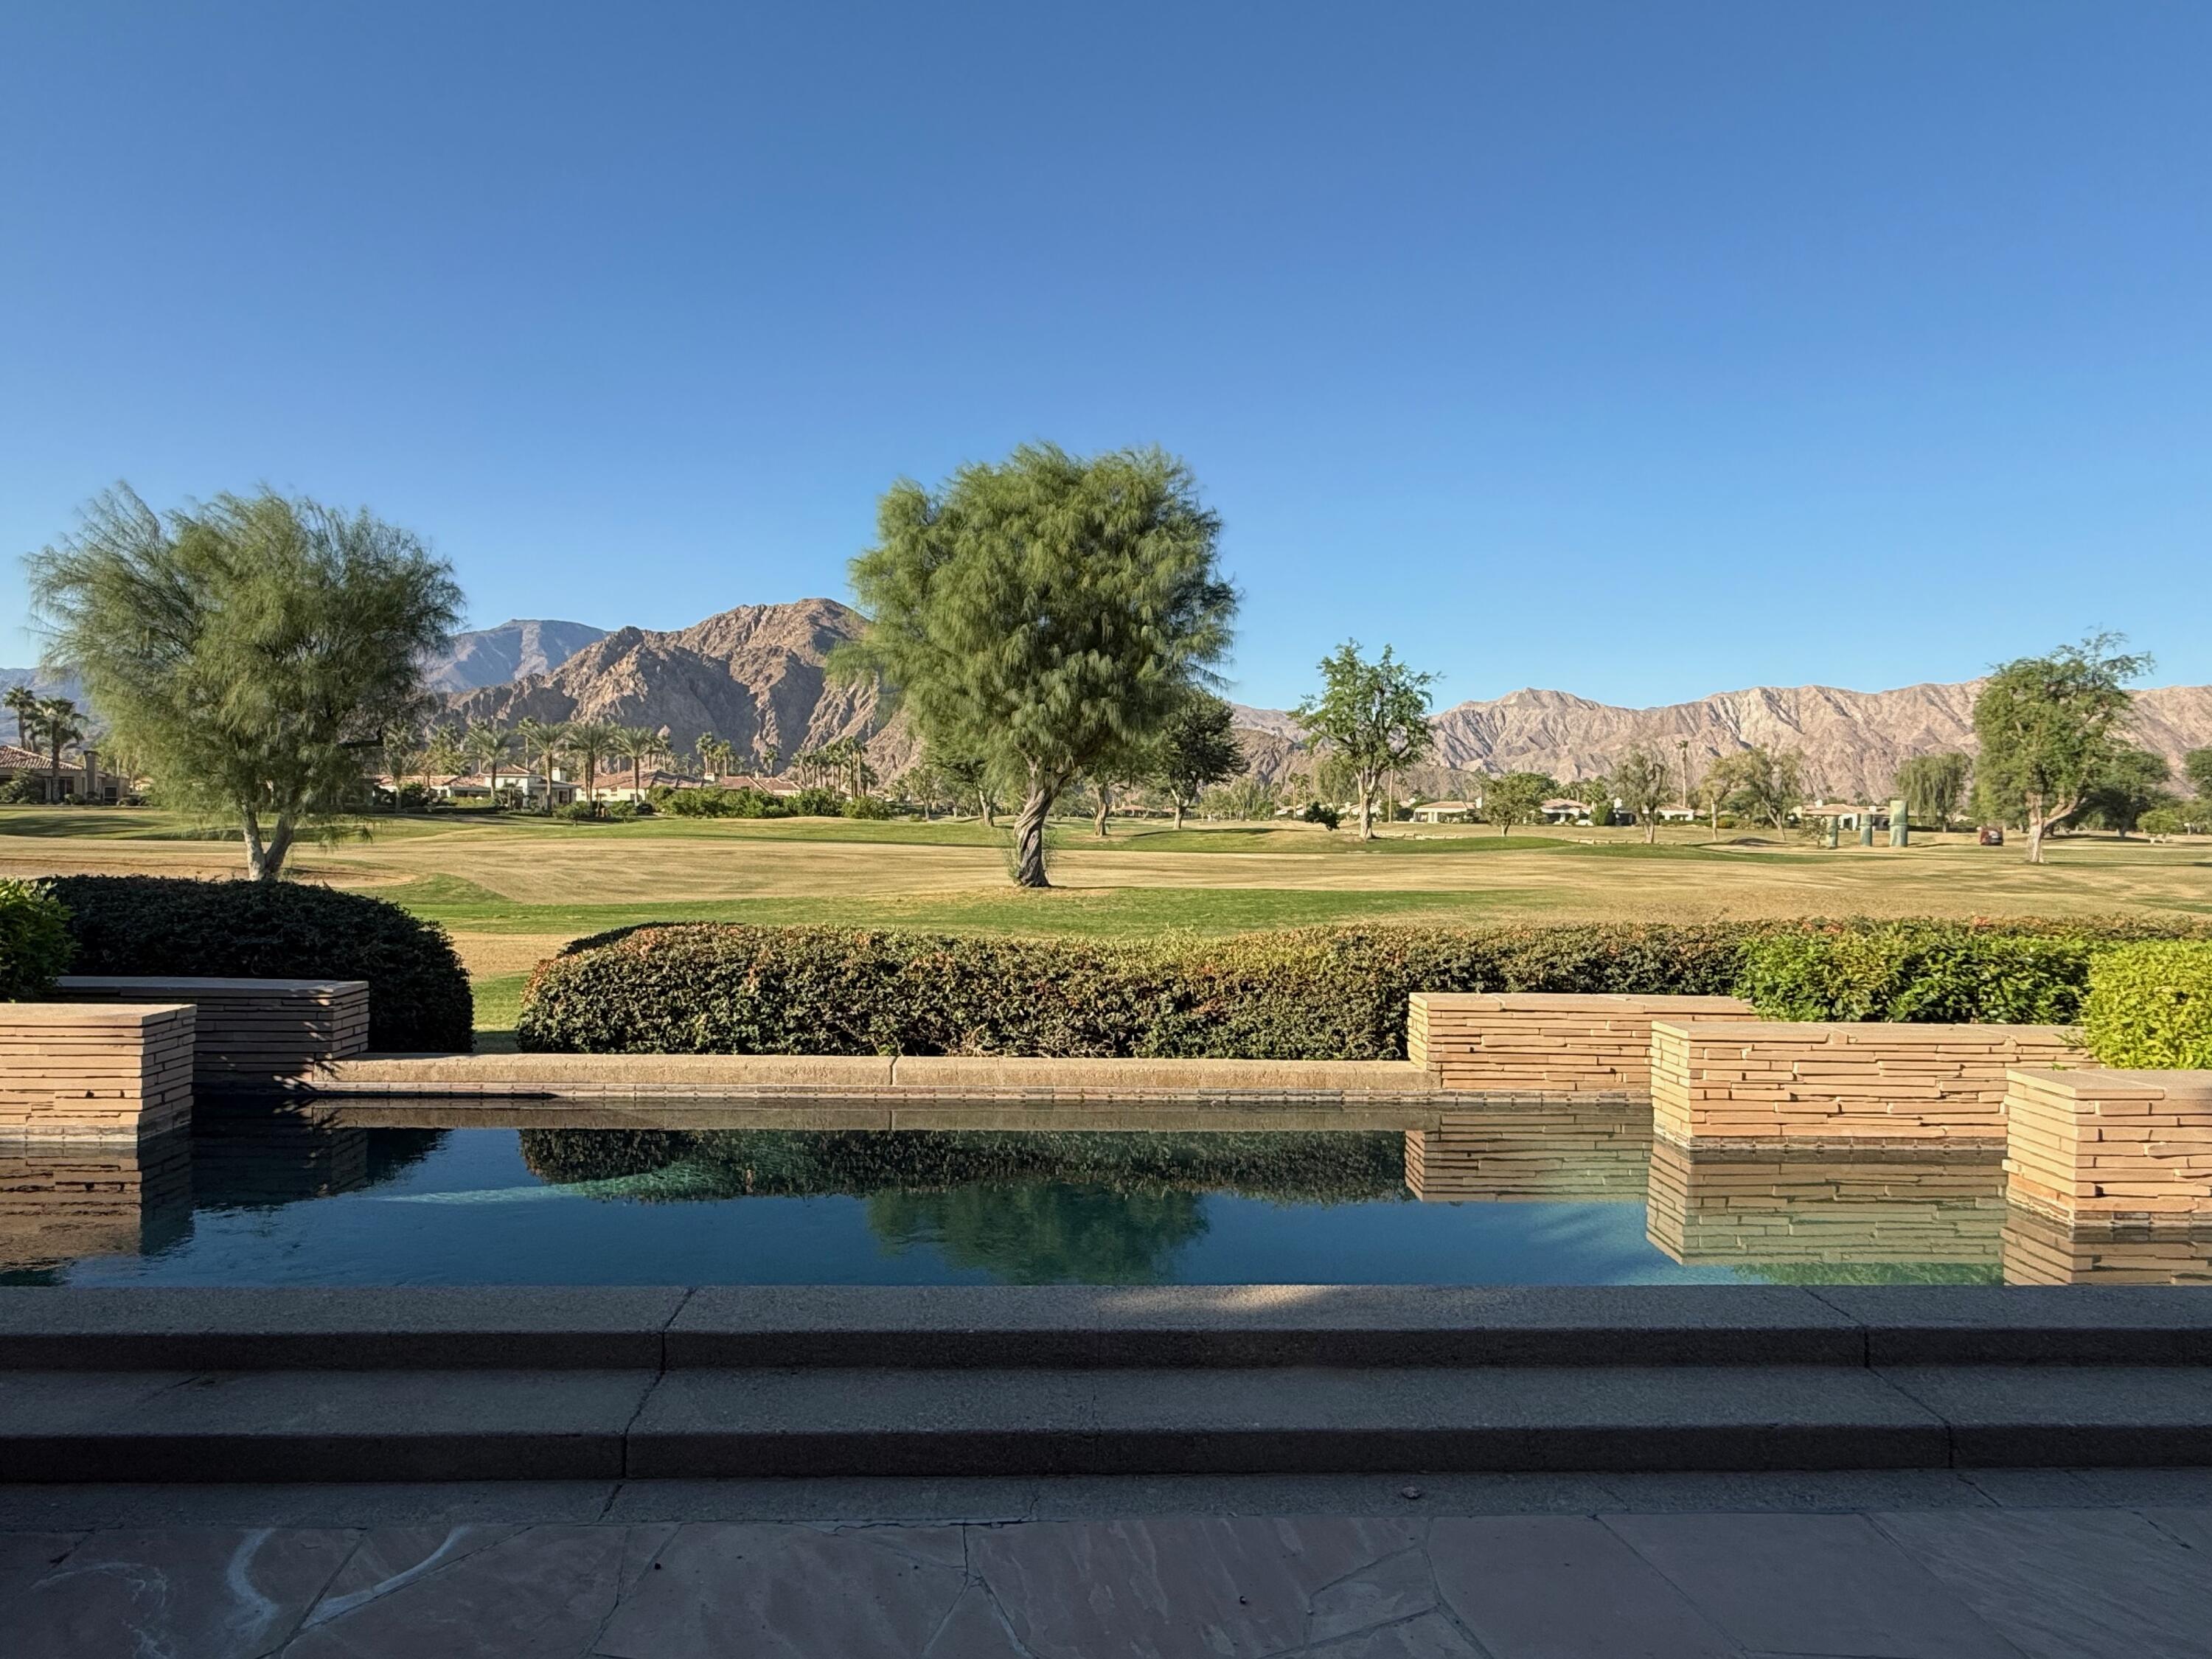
(1641, 350)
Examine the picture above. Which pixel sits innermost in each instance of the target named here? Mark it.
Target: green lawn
(1112, 913)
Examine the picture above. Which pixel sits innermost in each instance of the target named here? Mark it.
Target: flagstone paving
(2040, 1565)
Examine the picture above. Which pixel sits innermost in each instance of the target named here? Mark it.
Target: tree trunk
(1651, 828)
(983, 806)
(265, 860)
(1368, 784)
(1105, 810)
(1178, 810)
(1028, 836)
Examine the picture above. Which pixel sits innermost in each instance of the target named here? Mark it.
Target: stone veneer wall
(1804, 1205)
(1806, 1081)
(1537, 1043)
(249, 1031)
(1534, 1149)
(77, 1071)
(2112, 1147)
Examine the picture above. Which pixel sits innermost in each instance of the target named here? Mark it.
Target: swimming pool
(261, 1197)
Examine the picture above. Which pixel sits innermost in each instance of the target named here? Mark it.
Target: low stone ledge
(2112, 1147)
(909, 1087)
(248, 1031)
(1760, 1082)
(603, 1077)
(1541, 1042)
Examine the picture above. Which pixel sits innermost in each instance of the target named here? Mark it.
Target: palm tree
(591, 742)
(24, 703)
(705, 747)
(542, 739)
(769, 755)
(637, 744)
(58, 724)
(487, 746)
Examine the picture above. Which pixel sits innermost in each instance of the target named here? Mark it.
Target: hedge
(418, 992)
(1930, 972)
(2150, 1007)
(1306, 994)
(35, 941)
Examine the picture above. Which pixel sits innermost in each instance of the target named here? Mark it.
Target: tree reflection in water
(1099, 1206)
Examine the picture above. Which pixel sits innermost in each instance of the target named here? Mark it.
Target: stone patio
(1896, 1565)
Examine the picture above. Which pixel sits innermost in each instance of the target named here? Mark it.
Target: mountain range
(757, 676)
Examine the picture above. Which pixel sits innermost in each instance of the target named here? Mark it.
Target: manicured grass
(1094, 912)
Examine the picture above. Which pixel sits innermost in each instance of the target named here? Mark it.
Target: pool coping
(104, 1328)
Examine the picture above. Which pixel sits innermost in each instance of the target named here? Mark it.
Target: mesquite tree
(252, 650)
(1641, 780)
(1044, 614)
(1373, 715)
(2049, 728)
(1197, 747)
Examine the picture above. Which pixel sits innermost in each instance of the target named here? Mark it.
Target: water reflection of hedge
(675, 1165)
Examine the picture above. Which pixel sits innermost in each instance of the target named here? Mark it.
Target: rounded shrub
(418, 992)
(34, 940)
(2150, 1006)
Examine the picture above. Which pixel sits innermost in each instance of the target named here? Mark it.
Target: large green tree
(1197, 749)
(1372, 716)
(1932, 786)
(2049, 726)
(2132, 782)
(1761, 783)
(2197, 767)
(1044, 613)
(1516, 798)
(252, 649)
(1642, 781)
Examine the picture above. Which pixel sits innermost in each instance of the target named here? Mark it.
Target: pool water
(291, 1199)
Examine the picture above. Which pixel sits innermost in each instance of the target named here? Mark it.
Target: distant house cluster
(1558, 810)
(534, 789)
(80, 778)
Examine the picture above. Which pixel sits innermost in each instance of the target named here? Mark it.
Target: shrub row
(2150, 1006)
(418, 993)
(1307, 994)
(35, 941)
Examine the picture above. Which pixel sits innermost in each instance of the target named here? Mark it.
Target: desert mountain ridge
(755, 675)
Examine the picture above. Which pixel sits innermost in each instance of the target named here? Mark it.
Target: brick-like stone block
(1539, 1148)
(2112, 1147)
(1757, 1082)
(250, 1032)
(1801, 1206)
(1526, 1042)
(91, 1071)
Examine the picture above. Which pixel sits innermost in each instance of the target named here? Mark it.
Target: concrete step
(485, 1424)
(1079, 1327)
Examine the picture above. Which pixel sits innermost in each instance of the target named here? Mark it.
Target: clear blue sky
(1641, 349)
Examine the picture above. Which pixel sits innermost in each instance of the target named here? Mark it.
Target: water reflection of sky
(470, 1212)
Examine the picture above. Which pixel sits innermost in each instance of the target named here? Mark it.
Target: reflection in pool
(266, 1196)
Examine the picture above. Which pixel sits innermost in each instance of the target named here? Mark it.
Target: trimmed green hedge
(35, 941)
(1308, 994)
(1931, 972)
(418, 992)
(2150, 1007)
